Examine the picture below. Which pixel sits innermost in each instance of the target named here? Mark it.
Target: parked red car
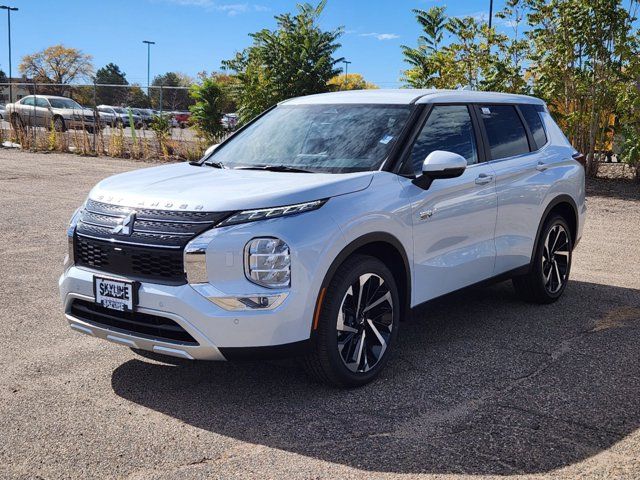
(182, 118)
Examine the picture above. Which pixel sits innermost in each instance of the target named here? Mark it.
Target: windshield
(120, 110)
(318, 138)
(63, 103)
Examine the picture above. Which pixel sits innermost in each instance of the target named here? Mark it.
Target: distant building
(20, 89)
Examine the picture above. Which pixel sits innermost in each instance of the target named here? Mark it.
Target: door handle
(483, 179)
(541, 166)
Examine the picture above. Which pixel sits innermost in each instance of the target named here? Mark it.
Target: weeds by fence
(146, 145)
(159, 134)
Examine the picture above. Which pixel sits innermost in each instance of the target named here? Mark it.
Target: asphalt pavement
(482, 384)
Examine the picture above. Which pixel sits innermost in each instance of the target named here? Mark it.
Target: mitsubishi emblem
(126, 226)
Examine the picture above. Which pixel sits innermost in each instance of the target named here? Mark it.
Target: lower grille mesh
(143, 263)
(140, 324)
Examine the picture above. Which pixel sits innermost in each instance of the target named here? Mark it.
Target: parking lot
(481, 385)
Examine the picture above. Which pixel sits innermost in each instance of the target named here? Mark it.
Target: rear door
(454, 219)
(516, 141)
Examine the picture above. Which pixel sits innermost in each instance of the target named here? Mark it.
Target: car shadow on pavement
(481, 384)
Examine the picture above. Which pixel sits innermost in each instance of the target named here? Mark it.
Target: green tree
(172, 98)
(206, 112)
(111, 74)
(452, 52)
(583, 57)
(229, 85)
(295, 59)
(136, 97)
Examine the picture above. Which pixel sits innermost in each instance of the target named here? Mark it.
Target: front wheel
(357, 324)
(16, 122)
(549, 271)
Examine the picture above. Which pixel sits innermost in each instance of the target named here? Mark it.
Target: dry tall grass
(145, 146)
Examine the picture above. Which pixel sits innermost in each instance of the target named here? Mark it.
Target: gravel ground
(482, 384)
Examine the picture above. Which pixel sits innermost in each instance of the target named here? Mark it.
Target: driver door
(454, 220)
(43, 112)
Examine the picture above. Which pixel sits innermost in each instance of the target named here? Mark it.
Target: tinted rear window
(506, 133)
(531, 114)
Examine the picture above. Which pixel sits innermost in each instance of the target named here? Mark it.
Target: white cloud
(481, 16)
(231, 9)
(380, 36)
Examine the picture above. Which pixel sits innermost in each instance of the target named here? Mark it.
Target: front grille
(140, 243)
(160, 228)
(140, 324)
(142, 263)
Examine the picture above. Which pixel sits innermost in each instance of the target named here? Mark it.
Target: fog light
(268, 262)
(257, 302)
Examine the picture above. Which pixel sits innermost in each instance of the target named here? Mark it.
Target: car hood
(187, 187)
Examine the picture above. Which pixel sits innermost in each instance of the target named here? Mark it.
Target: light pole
(346, 71)
(149, 43)
(9, 10)
(490, 12)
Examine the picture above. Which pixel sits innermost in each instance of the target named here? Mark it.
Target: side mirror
(440, 164)
(209, 150)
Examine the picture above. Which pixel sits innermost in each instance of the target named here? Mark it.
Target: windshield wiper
(214, 164)
(276, 168)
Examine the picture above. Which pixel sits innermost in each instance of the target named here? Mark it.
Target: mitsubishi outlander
(315, 228)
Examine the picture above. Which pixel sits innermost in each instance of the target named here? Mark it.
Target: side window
(28, 101)
(506, 134)
(42, 102)
(449, 127)
(531, 114)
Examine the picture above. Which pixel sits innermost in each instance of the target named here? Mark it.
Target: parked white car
(48, 111)
(317, 227)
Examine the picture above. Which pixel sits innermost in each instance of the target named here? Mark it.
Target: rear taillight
(580, 158)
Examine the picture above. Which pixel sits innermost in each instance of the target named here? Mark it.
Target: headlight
(268, 262)
(266, 213)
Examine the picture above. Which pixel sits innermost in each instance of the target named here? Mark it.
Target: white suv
(314, 229)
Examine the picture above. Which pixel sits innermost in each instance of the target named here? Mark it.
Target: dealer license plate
(115, 294)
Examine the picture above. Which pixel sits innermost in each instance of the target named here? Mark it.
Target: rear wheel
(549, 272)
(357, 325)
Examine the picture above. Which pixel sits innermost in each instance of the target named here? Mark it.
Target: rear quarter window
(531, 114)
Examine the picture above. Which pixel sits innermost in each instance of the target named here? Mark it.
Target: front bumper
(214, 328)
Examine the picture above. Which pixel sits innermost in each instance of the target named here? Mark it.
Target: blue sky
(195, 35)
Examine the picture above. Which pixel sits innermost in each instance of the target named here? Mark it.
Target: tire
(58, 124)
(551, 264)
(350, 350)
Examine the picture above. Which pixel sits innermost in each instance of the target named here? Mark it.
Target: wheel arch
(566, 206)
(385, 247)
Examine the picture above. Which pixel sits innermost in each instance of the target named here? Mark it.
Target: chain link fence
(126, 121)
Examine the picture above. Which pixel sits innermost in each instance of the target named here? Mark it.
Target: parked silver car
(121, 116)
(61, 113)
